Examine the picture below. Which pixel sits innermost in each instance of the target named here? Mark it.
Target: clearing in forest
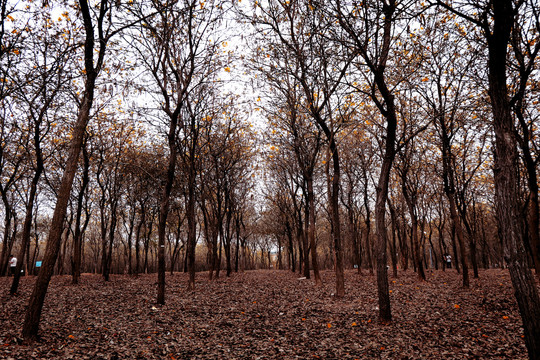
(267, 315)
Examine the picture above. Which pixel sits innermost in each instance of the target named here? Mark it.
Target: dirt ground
(267, 315)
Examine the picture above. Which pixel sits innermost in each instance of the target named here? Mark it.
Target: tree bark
(77, 237)
(33, 313)
(27, 226)
(311, 229)
(449, 190)
(164, 206)
(507, 178)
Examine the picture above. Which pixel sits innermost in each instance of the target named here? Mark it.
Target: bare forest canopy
(150, 137)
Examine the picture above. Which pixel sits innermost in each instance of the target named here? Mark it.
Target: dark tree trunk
(164, 206)
(368, 224)
(27, 226)
(533, 216)
(450, 191)
(507, 178)
(410, 199)
(8, 241)
(33, 313)
(311, 229)
(395, 233)
(305, 245)
(138, 232)
(192, 228)
(77, 237)
(112, 229)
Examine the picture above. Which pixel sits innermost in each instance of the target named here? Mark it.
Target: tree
(293, 129)
(47, 66)
(302, 31)
(370, 27)
(187, 57)
(522, 69)
(496, 19)
(92, 68)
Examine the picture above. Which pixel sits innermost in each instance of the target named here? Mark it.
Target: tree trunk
(368, 224)
(8, 241)
(311, 229)
(25, 242)
(449, 190)
(385, 313)
(192, 228)
(77, 237)
(507, 178)
(410, 199)
(164, 206)
(33, 313)
(395, 230)
(533, 214)
(334, 209)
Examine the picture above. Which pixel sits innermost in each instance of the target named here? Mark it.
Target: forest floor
(267, 315)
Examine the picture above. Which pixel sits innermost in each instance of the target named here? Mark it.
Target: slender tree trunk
(402, 237)
(237, 249)
(449, 189)
(533, 214)
(311, 229)
(130, 241)
(368, 224)
(27, 226)
(410, 199)
(354, 235)
(8, 241)
(334, 201)
(33, 313)
(77, 237)
(395, 230)
(385, 313)
(138, 240)
(26, 229)
(305, 245)
(164, 206)
(292, 256)
(112, 230)
(228, 240)
(192, 234)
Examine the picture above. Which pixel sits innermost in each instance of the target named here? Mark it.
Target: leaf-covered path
(267, 315)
